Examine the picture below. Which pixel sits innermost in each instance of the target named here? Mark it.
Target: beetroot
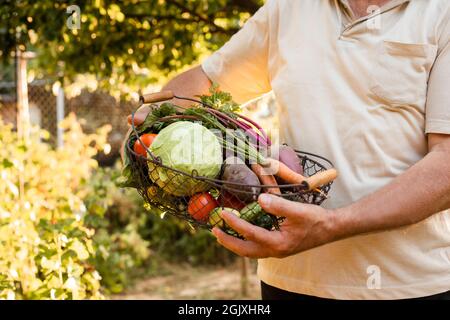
(289, 157)
(236, 171)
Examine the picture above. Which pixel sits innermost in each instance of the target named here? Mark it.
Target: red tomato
(147, 139)
(200, 205)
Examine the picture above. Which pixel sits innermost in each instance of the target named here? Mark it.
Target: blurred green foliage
(116, 215)
(132, 41)
(131, 241)
(175, 241)
(68, 232)
(44, 245)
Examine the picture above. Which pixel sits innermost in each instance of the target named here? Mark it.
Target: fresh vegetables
(266, 179)
(287, 156)
(236, 171)
(215, 220)
(254, 214)
(220, 100)
(207, 158)
(309, 183)
(321, 178)
(187, 147)
(251, 212)
(284, 172)
(223, 122)
(147, 140)
(226, 199)
(165, 199)
(130, 177)
(200, 205)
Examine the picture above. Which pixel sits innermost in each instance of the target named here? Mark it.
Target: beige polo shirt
(362, 93)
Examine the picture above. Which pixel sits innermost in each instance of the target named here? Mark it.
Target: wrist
(340, 223)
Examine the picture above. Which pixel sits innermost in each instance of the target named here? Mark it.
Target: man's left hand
(306, 226)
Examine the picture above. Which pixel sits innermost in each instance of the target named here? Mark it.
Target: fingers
(248, 230)
(240, 247)
(140, 115)
(281, 207)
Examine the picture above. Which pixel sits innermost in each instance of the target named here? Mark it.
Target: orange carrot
(284, 172)
(292, 177)
(321, 178)
(266, 179)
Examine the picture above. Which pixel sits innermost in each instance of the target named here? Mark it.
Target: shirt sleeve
(240, 67)
(438, 97)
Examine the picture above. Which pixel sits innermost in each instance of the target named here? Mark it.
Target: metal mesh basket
(154, 190)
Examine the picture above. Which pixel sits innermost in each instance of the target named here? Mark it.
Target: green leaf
(128, 179)
(97, 209)
(220, 100)
(80, 250)
(7, 164)
(166, 109)
(113, 41)
(68, 254)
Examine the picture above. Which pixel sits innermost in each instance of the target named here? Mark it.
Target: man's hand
(423, 190)
(305, 227)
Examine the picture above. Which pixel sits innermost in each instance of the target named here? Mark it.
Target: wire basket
(223, 194)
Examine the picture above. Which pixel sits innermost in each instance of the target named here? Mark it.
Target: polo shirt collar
(387, 6)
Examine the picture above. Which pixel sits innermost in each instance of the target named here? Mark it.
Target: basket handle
(321, 178)
(156, 97)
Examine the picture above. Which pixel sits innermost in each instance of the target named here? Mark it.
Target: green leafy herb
(166, 109)
(220, 100)
(158, 112)
(209, 121)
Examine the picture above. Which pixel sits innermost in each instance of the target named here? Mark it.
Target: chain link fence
(97, 109)
(8, 102)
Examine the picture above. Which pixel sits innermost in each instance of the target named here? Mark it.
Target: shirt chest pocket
(400, 72)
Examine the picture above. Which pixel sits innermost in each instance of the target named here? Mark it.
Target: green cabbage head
(185, 146)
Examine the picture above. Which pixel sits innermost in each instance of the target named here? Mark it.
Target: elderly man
(364, 83)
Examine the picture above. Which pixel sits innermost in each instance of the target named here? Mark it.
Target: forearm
(189, 84)
(420, 192)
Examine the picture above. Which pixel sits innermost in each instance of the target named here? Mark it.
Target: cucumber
(251, 212)
(214, 217)
(254, 214)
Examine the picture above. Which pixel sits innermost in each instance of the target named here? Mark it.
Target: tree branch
(198, 16)
(216, 29)
(249, 6)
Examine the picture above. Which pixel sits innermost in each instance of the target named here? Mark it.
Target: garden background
(70, 73)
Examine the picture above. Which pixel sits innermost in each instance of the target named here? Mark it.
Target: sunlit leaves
(161, 36)
(44, 247)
